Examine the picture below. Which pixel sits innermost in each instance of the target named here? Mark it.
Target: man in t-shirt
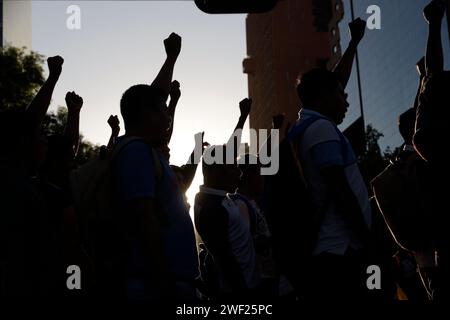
(160, 250)
(338, 269)
(339, 192)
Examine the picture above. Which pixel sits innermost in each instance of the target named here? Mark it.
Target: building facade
(295, 37)
(281, 44)
(387, 59)
(16, 23)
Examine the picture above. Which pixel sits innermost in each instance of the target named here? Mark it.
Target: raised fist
(74, 102)
(174, 91)
(55, 65)
(357, 29)
(114, 123)
(245, 106)
(434, 11)
(173, 45)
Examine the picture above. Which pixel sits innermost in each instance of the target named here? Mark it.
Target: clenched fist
(173, 45)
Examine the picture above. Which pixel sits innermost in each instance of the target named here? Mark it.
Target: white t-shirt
(239, 237)
(320, 146)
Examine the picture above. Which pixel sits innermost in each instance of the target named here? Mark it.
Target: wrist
(354, 43)
(172, 58)
(53, 77)
(436, 24)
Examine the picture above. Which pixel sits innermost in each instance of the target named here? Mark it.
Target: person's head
(144, 112)
(220, 176)
(406, 125)
(321, 91)
(251, 182)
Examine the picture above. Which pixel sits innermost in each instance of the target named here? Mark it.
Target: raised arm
(244, 106)
(114, 124)
(278, 123)
(434, 59)
(164, 78)
(72, 131)
(344, 67)
(175, 94)
(421, 70)
(38, 107)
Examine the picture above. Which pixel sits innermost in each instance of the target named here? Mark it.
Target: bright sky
(120, 44)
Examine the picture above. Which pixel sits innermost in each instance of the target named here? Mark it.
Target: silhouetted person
(224, 227)
(431, 132)
(152, 242)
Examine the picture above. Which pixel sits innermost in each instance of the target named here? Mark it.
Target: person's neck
(140, 134)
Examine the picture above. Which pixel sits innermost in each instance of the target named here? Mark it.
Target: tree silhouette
(21, 76)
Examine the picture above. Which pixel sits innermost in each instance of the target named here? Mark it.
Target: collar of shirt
(214, 192)
(309, 112)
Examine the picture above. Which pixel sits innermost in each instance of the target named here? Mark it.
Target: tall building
(16, 23)
(387, 59)
(295, 37)
(281, 44)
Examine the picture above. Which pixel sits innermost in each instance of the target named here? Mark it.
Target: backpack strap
(157, 163)
(300, 128)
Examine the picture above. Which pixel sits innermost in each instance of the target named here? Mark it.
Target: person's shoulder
(135, 146)
(321, 125)
(320, 131)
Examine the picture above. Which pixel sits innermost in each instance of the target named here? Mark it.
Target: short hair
(211, 169)
(138, 98)
(316, 83)
(406, 124)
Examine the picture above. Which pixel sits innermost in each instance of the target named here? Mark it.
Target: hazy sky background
(121, 44)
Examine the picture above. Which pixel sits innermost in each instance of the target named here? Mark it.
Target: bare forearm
(434, 59)
(344, 67)
(237, 133)
(419, 88)
(112, 141)
(164, 77)
(40, 103)
(72, 130)
(171, 111)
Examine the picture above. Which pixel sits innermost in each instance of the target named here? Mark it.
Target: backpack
(291, 214)
(103, 233)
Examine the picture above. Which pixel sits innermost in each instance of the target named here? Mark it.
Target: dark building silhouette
(298, 35)
(292, 38)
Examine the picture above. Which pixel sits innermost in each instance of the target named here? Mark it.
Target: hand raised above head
(245, 106)
(74, 102)
(434, 11)
(357, 29)
(114, 123)
(55, 65)
(175, 91)
(173, 45)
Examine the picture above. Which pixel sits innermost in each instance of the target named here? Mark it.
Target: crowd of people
(307, 233)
